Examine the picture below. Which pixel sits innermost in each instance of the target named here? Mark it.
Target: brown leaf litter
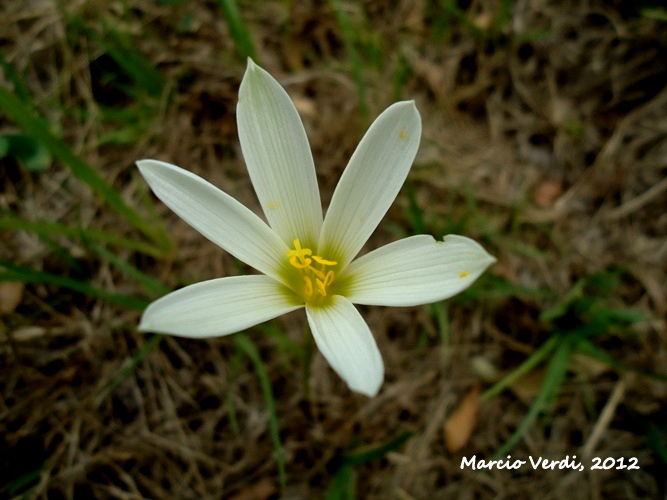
(545, 137)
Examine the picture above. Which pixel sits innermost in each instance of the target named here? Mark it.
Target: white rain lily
(307, 261)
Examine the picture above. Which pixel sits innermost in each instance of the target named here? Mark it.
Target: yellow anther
(403, 134)
(321, 288)
(299, 265)
(322, 285)
(463, 274)
(324, 262)
(302, 259)
(317, 272)
(300, 252)
(298, 257)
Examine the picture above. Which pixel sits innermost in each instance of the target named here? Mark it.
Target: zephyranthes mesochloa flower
(307, 261)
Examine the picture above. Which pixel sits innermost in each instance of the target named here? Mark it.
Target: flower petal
(277, 153)
(415, 270)
(371, 181)
(345, 340)
(218, 307)
(218, 216)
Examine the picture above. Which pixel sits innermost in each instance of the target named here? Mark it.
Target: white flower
(307, 261)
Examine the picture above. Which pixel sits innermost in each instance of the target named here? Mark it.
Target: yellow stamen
(324, 262)
(299, 265)
(308, 286)
(463, 274)
(298, 257)
(321, 288)
(322, 285)
(302, 258)
(316, 272)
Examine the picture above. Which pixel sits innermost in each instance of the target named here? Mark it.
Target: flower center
(315, 281)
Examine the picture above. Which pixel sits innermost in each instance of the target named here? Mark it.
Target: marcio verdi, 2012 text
(540, 463)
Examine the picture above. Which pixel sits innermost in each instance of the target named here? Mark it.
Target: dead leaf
(462, 421)
(588, 366)
(305, 106)
(262, 490)
(485, 369)
(11, 293)
(547, 192)
(483, 21)
(527, 387)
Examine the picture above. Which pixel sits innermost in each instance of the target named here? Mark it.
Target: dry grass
(544, 137)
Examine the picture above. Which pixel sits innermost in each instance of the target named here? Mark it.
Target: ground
(544, 138)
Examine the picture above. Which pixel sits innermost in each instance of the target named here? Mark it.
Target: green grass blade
(291, 349)
(25, 482)
(44, 228)
(27, 150)
(367, 454)
(561, 307)
(525, 367)
(246, 345)
(553, 379)
(505, 13)
(439, 311)
(126, 371)
(123, 50)
(19, 87)
(245, 47)
(655, 13)
(230, 401)
(589, 349)
(349, 38)
(27, 275)
(657, 440)
(342, 484)
(132, 62)
(414, 213)
(149, 283)
(496, 288)
(454, 13)
(35, 127)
